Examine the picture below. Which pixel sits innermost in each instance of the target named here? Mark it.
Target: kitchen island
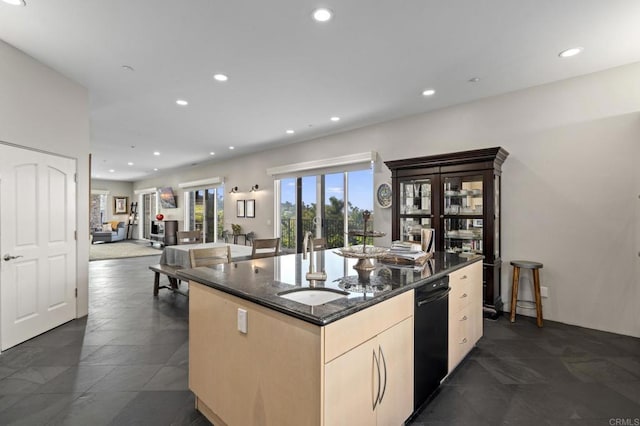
(256, 357)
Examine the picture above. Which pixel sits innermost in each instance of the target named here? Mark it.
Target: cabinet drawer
(461, 327)
(471, 273)
(349, 332)
(461, 335)
(461, 294)
(464, 284)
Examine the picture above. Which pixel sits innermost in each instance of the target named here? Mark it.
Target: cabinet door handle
(463, 341)
(464, 318)
(375, 398)
(384, 365)
(463, 295)
(464, 277)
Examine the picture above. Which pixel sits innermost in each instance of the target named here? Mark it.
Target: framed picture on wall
(120, 205)
(240, 208)
(251, 208)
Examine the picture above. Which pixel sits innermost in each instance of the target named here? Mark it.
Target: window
(360, 191)
(149, 211)
(288, 214)
(98, 213)
(320, 204)
(205, 212)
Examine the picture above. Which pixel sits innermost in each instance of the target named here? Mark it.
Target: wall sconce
(254, 188)
(233, 190)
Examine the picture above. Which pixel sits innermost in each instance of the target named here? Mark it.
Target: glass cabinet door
(463, 235)
(415, 208)
(463, 221)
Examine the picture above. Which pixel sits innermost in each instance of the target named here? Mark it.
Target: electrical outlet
(242, 320)
(544, 291)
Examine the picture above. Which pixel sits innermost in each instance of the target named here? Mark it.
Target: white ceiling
(369, 64)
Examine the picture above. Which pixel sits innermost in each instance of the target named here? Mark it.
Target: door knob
(8, 257)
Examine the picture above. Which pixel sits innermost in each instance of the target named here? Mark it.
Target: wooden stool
(535, 269)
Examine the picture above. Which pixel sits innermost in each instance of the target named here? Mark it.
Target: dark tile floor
(126, 364)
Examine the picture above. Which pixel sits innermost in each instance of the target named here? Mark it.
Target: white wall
(242, 172)
(571, 184)
(114, 188)
(41, 109)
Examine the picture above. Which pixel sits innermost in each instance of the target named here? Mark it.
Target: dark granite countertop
(260, 281)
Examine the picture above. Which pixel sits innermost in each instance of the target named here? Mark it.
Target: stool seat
(526, 264)
(535, 270)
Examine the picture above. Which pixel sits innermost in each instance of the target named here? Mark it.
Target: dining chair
(189, 237)
(268, 247)
(210, 256)
(319, 243)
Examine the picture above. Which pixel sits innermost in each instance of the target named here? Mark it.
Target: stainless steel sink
(313, 296)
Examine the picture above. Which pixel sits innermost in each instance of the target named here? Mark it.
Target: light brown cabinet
(270, 375)
(465, 312)
(373, 382)
(286, 371)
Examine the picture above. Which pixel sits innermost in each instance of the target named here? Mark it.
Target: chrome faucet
(307, 245)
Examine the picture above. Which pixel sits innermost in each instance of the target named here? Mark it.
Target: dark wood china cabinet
(458, 195)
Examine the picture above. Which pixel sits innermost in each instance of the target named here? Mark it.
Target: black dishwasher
(430, 338)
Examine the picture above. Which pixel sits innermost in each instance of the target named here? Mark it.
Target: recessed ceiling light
(15, 2)
(474, 80)
(111, 170)
(182, 102)
(156, 153)
(570, 52)
(322, 14)
(290, 131)
(129, 163)
(220, 77)
(428, 92)
(232, 147)
(212, 153)
(155, 170)
(335, 118)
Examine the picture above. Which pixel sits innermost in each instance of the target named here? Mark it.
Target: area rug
(120, 249)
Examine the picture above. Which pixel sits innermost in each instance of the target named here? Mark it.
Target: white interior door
(37, 243)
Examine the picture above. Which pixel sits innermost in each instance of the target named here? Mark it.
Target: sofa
(118, 232)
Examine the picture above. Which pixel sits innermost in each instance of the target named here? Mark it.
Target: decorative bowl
(356, 251)
(363, 254)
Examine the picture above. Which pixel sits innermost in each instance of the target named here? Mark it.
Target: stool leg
(536, 285)
(514, 292)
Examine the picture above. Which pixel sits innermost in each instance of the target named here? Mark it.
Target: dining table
(178, 256)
